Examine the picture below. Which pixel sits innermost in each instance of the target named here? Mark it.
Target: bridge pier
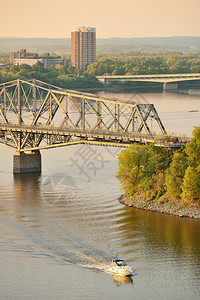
(168, 86)
(27, 163)
(106, 81)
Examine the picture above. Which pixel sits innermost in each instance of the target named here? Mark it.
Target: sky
(112, 18)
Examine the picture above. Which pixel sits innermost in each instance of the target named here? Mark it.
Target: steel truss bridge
(35, 115)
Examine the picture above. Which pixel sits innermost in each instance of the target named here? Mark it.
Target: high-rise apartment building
(83, 47)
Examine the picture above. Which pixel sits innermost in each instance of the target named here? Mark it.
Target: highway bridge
(169, 81)
(35, 115)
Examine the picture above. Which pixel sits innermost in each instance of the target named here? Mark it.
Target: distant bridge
(170, 81)
(35, 115)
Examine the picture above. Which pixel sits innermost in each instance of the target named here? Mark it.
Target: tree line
(156, 171)
(138, 63)
(62, 76)
(123, 64)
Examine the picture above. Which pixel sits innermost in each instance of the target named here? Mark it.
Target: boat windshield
(120, 263)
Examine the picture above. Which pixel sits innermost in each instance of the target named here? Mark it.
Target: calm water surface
(60, 230)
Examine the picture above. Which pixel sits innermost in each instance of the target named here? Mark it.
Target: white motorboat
(119, 267)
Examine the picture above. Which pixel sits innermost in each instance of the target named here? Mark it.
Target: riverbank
(163, 205)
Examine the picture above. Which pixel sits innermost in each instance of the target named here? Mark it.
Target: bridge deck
(109, 138)
(35, 115)
(162, 78)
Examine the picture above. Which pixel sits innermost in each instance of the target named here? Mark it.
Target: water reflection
(27, 188)
(122, 230)
(122, 280)
(160, 232)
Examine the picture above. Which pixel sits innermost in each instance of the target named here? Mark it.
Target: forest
(154, 171)
(137, 63)
(63, 76)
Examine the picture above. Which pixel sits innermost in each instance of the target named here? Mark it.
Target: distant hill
(62, 46)
(40, 45)
(173, 40)
(185, 44)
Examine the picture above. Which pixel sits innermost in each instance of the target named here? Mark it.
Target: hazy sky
(112, 18)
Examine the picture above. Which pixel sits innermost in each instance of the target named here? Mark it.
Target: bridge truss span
(35, 115)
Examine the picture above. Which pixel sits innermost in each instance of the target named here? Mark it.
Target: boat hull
(120, 272)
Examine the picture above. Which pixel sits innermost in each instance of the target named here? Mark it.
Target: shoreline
(164, 205)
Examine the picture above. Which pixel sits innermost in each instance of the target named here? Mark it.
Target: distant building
(83, 47)
(23, 57)
(3, 67)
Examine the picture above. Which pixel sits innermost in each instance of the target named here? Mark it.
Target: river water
(60, 230)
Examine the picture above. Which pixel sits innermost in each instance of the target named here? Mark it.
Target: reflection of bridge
(35, 115)
(170, 81)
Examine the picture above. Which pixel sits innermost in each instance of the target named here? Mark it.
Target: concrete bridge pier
(170, 86)
(27, 162)
(106, 81)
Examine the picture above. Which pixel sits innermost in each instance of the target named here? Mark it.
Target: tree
(39, 67)
(175, 174)
(141, 168)
(193, 149)
(60, 69)
(71, 70)
(131, 168)
(14, 69)
(191, 185)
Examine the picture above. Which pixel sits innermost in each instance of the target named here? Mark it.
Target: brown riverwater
(60, 230)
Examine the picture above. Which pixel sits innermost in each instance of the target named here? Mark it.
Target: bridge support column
(168, 86)
(27, 163)
(106, 81)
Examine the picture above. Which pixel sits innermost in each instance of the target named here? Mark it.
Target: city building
(83, 47)
(3, 67)
(23, 57)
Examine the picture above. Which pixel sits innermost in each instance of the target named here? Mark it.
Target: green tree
(191, 185)
(142, 167)
(175, 174)
(193, 149)
(71, 70)
(60, 69)
(39, 67)
(14, 69)
(130, 168)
